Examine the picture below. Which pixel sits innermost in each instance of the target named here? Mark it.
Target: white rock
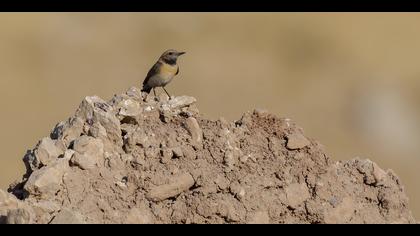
(195, 131)
(296, 141)
(181, 101)
(95, 110)
(46, 181)
(7, 201)
(47, 151)
(89, 152)
(68, 154)
(130, 108)
(378, 174)
(134, 92)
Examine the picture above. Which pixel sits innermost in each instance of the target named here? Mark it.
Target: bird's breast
(168, 71)
(163, 76)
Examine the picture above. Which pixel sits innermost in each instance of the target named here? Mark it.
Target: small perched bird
(162, 72)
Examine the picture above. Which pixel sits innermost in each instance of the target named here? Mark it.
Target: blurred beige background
(351, 80)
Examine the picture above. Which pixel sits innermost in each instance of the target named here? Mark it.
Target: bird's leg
(154, 92)
(167, 93)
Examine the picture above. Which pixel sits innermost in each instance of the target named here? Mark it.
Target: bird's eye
(170, 53)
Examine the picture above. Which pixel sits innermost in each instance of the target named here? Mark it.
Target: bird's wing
(154, 70)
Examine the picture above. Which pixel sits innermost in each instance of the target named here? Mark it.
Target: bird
(162, 72)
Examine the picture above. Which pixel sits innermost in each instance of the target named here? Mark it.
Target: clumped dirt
(134, 161)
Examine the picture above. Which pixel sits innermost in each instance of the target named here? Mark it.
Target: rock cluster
(137, 159)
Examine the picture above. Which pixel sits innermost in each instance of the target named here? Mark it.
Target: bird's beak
(180, 53)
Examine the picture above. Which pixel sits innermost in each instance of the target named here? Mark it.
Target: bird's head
(170, 56)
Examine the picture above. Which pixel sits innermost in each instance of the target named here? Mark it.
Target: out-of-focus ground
(351, 80)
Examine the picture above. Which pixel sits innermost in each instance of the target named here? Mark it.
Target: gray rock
(68, 131)
(57, 132)
(31, 162)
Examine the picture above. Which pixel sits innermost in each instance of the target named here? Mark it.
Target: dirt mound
(130, 161)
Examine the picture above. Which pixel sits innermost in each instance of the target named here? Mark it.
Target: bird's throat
(170, 61)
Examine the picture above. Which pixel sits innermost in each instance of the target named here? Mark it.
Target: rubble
(137, 159)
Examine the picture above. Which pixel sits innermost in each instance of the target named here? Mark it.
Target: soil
(133, 161)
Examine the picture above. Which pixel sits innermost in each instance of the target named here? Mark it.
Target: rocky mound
(135, 161)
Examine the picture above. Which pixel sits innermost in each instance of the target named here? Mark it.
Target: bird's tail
(146, 89)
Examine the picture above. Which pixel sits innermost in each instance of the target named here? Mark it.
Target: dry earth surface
(137, 159)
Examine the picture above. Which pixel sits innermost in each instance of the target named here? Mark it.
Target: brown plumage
(162, 72)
